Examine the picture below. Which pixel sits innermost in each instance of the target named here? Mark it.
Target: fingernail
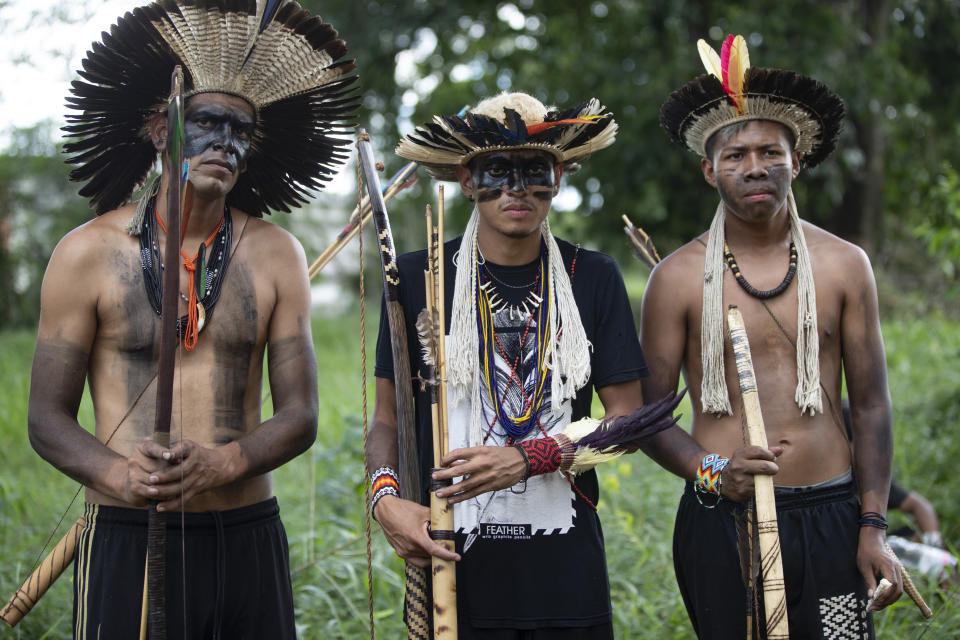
(159, 508)
(154, 479)
(166, 455)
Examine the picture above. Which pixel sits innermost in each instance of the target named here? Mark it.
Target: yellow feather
(736, 70)
(586, 459)
(710, 58)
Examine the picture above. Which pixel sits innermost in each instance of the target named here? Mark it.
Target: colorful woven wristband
(709, 474)
(383, 482)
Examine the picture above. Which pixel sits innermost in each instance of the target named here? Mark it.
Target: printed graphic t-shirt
(536, 556)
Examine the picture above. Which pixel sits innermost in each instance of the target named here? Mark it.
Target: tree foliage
(893, 61)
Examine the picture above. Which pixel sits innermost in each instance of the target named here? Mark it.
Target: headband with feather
(732, 91)
(283, 61)
(509, 122)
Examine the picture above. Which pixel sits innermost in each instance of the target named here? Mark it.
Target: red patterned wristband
(543, 455)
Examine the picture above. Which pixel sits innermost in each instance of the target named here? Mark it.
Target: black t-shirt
(537, 559)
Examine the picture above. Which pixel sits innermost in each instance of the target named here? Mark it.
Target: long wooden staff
(40, 580)
(441, 512)
(169, 340)
(771, 566)
(401, 180)
(415, 598)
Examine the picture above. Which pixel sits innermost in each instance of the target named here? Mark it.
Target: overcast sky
(41, 45)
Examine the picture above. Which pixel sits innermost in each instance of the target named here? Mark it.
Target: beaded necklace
(515, 426)
(750, 289)
(205, 287)
(528, 401)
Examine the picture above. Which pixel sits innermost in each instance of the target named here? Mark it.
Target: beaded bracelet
(709, 478)
(383, 482)
(872, 519)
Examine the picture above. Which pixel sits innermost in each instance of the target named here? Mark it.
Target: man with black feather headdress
(536, 324)
(755, 129)
(266, 94)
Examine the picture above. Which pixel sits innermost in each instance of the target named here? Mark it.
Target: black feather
(299, 141)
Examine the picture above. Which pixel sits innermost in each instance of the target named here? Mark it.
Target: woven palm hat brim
(286, 63)
(810, 110)
(452, 141)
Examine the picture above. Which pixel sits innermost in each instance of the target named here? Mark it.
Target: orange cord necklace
(194, 306)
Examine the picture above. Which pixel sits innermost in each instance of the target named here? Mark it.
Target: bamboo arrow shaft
(771, 564)
(45, 575)
(404, 178)
(441, 511)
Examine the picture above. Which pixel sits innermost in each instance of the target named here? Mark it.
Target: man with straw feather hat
(536, 324)
(266, 92)
(755, 128)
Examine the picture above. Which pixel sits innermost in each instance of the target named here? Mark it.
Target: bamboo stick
(441, 512)
(403, 179)
(45, 575)
(771, 565)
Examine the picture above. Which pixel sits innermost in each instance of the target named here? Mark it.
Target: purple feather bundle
(626, 433)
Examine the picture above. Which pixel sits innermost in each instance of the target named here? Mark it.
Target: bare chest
(218, 381)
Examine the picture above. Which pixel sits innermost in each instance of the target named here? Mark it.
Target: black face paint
(519, 172)
(216, 127)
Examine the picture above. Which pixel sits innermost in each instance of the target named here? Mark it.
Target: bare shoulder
(681, 271)
(836, 255)
(267, 242)
(83, 247)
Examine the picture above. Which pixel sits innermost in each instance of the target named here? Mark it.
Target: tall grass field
(321, 496)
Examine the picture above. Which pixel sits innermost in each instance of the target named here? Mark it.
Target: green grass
(321, 497)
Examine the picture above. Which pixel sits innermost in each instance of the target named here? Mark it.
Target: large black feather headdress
(733, 91)
(509, 121)
(283, 61)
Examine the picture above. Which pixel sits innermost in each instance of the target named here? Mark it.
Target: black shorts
(826, 595)
(597, 632)
(237, 582)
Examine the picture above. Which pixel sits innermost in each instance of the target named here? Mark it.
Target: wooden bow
(416, 581)
(169, 340)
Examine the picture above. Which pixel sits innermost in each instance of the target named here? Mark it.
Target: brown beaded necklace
(753, 291)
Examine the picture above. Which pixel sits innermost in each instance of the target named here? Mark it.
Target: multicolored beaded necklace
(753, 291)
(515, 426)
(514, 379)
(204, 287)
